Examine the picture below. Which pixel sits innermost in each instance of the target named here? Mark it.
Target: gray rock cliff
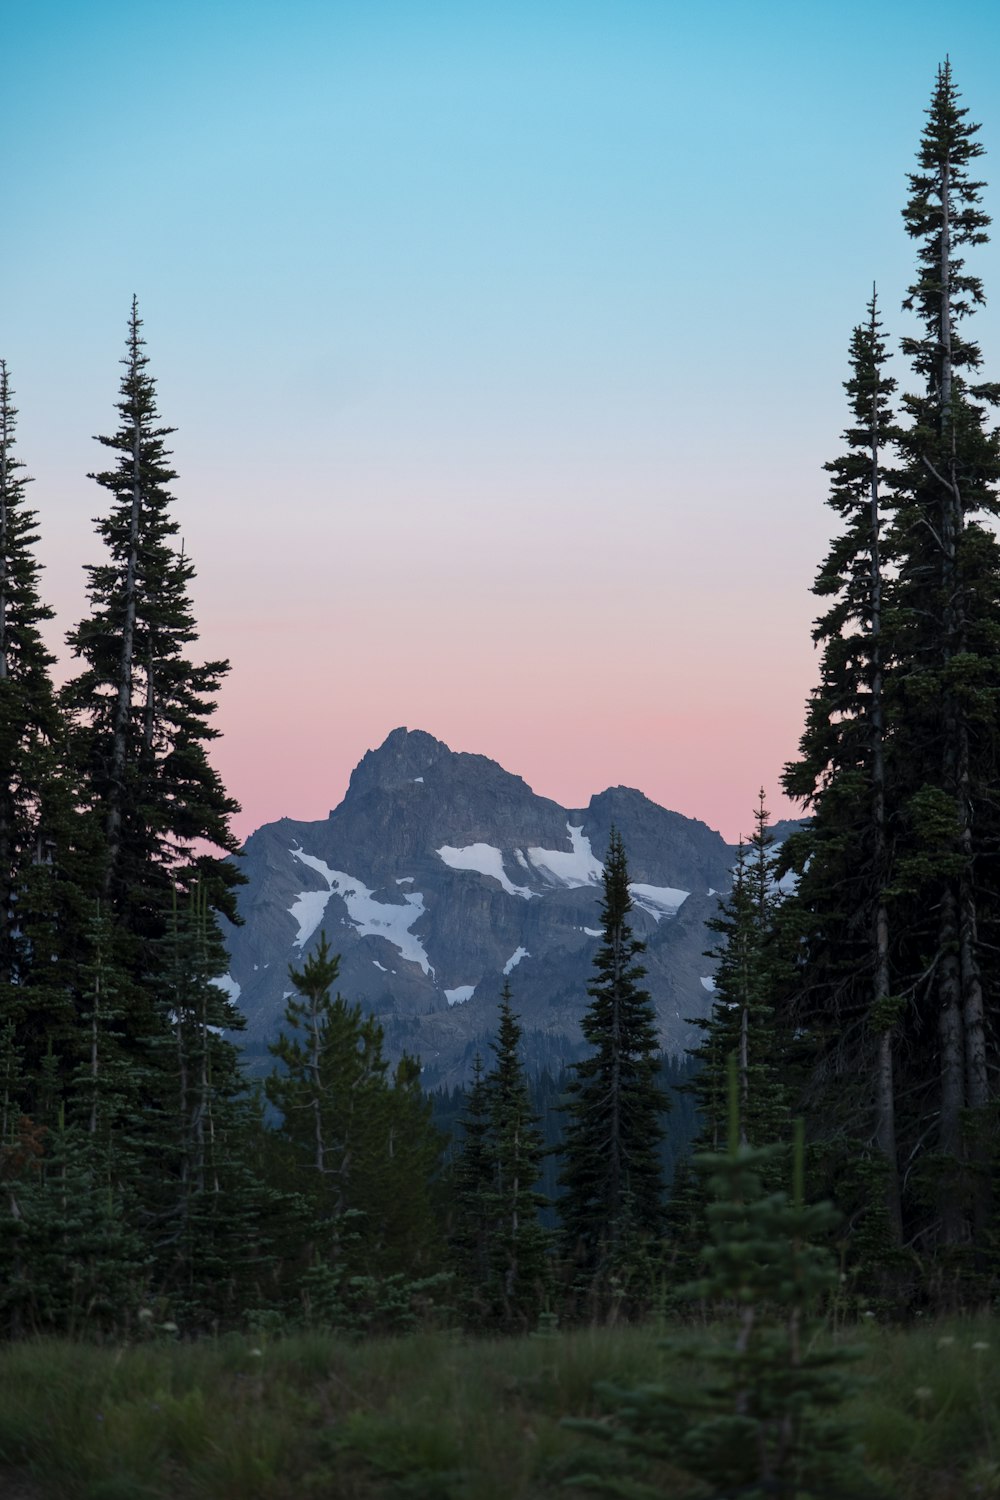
(441, 873)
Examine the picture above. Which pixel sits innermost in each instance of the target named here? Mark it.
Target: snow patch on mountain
(658, 900)
(308, 909)
(460, 994)
(708, 983)
(229, 987)
(580, 866)
(515, 959)
(370, 918)
(484, 859)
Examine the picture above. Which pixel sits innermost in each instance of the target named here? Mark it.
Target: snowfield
(484, 860)
(370, 918)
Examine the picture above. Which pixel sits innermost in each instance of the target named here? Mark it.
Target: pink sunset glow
(504, 354)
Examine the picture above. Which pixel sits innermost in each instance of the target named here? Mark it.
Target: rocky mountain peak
(440, 875)
(403, 756)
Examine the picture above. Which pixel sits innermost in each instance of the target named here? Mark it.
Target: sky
(504, 343)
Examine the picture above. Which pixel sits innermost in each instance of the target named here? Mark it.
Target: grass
(433, 1416)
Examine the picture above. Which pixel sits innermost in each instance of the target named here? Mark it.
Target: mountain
(439, 874)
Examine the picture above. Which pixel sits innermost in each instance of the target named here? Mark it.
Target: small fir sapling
(765, 1420)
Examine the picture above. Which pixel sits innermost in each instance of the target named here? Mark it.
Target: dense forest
(147, 1182)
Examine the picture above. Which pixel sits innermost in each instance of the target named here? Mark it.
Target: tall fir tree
(895, 925)
(28, 714)
(143, 708)
(472, 1200)
(40, 904)
(948, 604)
(837, 927)
(612, 1208)
(156, 809)
(519, 1243)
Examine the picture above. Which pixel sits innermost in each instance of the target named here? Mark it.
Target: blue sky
(504, 343)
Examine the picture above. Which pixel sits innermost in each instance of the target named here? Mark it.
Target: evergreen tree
(838, 924)
(742, 1028)
(948, 601)
(472, 1211)
(894, 927)
(41, 910)
(361, 1149)
(742, 1020)
(28, 714)
(142, 707)
(612, 1206)
(156, 826)
(766, 1423)
(204, 1185)
(518, 1259)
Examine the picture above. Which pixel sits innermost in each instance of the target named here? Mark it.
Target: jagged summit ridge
(439, 874)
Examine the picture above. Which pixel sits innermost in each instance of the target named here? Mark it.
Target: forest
(841, 1106)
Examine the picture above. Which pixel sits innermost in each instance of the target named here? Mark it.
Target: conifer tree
(895, 924)
(472, 1212)
(28, 715)
(612, 1206)
(767, 1421)
(742, 1020)
(40, 914)
(361, 1146)
(837, 927)
(948, 600)
(200, 1206)
(517, 1240)
(143, 708)
(840, 916)
(743, 1028)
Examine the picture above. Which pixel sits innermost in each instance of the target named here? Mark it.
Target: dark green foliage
(142, 707)
(742, 1024)
(75, 1258)
(360, 1151)
(892, 936)
(947, 601)
(742, 1028)
(29, 719)
(766, 1422)
(612, 1208)
(471, 1215)
(41, 911)
(499, 1244)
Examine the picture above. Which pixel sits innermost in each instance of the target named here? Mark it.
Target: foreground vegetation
(437, 1415)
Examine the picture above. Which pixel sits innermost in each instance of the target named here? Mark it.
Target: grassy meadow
(435, 1416)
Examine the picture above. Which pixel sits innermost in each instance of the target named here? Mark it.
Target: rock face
(439, 874)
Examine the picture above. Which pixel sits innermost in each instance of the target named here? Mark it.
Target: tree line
(867, 1000)
(144, 1178)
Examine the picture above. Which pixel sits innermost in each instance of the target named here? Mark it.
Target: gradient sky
(504, 343)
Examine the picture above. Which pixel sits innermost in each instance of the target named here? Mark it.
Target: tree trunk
(123, 701)
(4, 445)
(885, 1125)
(952, 1069)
